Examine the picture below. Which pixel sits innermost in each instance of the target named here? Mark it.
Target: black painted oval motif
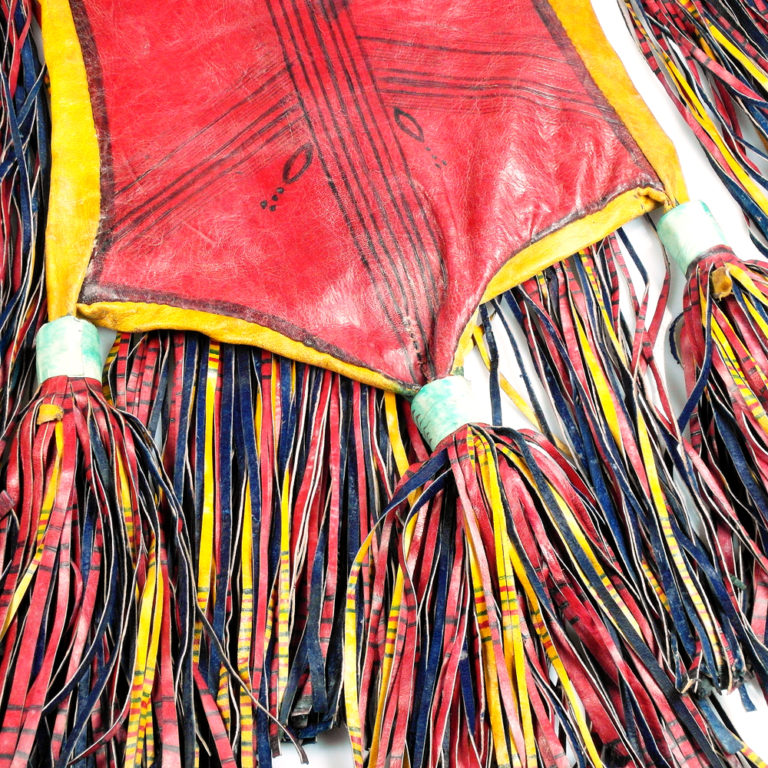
(407, 123)
(297, 163)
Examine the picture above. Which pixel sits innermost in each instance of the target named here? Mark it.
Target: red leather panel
(350, 174)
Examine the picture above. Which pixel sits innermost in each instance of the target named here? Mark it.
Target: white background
(332, 750)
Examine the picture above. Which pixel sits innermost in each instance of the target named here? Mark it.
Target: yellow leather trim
(75, 199)
(571, 238)
(135, 317)
(561, 244)
(605, 67)
(465, 345)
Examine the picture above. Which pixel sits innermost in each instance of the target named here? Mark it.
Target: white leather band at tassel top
(688, 231)
(68, 347)
(442, 406)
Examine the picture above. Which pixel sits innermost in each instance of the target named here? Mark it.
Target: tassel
(673, 525)
(282, 469)
(95, 602)
(100, 633)
(490, 622)
(711, 56)
(721, 341)
(24, 179)
(595, 360)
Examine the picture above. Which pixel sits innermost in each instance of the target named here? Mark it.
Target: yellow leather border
(563, 243)
(573, 237)
(136, 317)
(605, 67)
(75, 198)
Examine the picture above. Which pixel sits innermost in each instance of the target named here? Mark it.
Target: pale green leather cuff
(68, 347)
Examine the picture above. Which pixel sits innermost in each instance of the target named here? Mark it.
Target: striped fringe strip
(489, 622)
(282, 469)
(596, 363)
(721, 341)
(712, 58)
(24, 174)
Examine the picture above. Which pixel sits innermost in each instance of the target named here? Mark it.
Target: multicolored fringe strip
(24, 175)
(711, 56)
(281, 469)
(491, 622)
(721, 341)
(96, 611)
(677, 528)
